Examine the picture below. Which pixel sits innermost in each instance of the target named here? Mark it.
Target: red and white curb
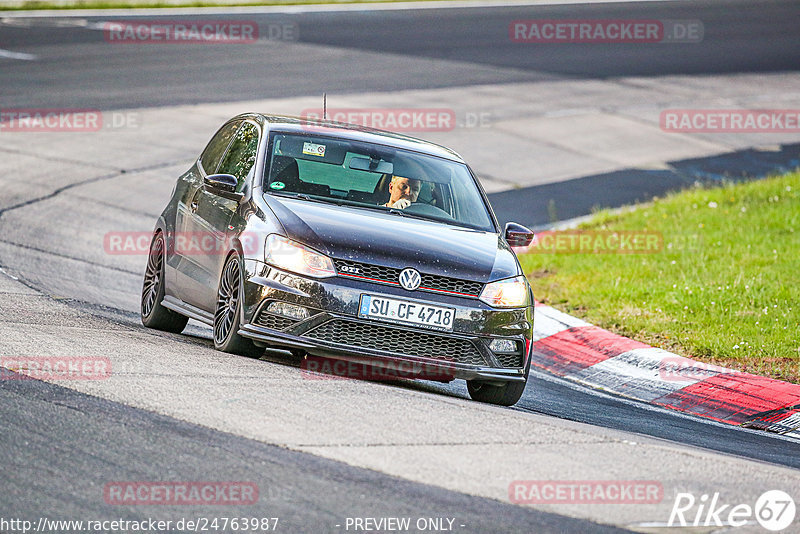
(575, 350)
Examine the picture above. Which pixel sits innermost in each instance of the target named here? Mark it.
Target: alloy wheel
(153, 276)
(227, 301)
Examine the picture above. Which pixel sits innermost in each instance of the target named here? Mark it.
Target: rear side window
(216, 147)
(241, 155)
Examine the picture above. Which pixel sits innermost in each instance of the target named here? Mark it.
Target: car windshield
(361, 175)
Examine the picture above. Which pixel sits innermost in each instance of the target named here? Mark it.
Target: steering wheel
(420, 208)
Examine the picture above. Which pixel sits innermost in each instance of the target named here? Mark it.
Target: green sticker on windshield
(277, 185)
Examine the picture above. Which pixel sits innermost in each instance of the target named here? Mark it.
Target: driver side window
(216, 147)
(241, 156)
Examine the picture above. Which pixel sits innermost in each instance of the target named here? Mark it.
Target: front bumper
(334, 329)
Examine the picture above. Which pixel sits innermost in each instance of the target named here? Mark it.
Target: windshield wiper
(384, 209)
(306, 196)
(429, 218)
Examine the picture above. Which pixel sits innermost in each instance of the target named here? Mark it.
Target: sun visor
(426, 171)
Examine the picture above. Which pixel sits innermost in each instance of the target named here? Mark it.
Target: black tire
(153, 314)
(228, 312)
(506, 395)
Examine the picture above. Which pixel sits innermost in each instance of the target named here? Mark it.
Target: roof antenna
(324, 106)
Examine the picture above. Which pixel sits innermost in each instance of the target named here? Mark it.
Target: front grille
(275, 322)
(410, 343)
(365, 269)
(390, 275)
(443, 283)
(509, 360)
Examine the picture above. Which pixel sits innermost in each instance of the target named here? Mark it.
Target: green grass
(133, 4)
(723, 289)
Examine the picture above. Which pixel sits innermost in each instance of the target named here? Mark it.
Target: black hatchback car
(344, 243)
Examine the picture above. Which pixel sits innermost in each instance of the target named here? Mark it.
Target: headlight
(291, 256)
(509, 293)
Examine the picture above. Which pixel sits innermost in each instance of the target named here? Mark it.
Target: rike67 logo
(774, 510)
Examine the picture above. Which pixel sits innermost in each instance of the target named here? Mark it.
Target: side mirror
(223, 185)
(517, 235)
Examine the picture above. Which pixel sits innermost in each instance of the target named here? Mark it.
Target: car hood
(380, 238)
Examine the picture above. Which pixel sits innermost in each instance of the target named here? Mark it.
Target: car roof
(352, 132)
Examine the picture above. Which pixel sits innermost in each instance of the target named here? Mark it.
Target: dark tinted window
(241, 156)
(215, 149)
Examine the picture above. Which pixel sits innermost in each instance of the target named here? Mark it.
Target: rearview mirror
(372, 165)
(517, 235)
(223, 185)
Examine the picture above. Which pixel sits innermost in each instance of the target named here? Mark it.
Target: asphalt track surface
(384, 51)
(579, 197)
(306, 493)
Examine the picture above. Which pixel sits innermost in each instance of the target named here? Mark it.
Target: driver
(402, 192)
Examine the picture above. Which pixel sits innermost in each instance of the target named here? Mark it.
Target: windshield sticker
(277, 185)
(313, 149)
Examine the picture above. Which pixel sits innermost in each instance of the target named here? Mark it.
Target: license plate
(405, 312)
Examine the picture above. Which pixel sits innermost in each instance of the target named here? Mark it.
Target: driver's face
(402, 187)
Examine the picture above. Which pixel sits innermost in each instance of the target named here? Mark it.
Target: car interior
(285, 169)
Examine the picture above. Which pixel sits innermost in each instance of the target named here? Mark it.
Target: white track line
(16, 55)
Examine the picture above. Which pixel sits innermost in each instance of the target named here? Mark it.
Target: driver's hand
(402, 204)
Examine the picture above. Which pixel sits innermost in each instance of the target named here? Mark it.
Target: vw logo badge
(410, 279)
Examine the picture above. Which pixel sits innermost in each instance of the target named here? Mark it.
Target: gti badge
(348, 269)
(410, 279)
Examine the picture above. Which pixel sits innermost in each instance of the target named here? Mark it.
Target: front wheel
(506, 395)
(227, 315)
(154, 315)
